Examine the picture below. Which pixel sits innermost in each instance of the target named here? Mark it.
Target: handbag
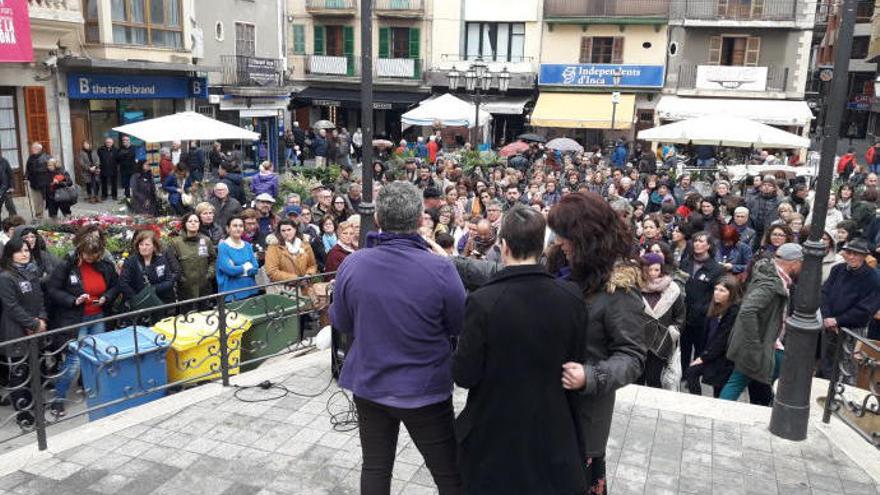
(147, 297)
(658, 340)
(67, 194)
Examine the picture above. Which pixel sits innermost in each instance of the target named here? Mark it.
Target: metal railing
(857, 365)
(606, 8)
(398, 68)
(54, 4)
(332, 65)
(736, 10)
(205, 339)
(776, 79)
(331, 5)
(240, 70)
(825, 9)
(399, 6)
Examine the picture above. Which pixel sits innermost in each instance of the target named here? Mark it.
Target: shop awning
(583, 111)
(770, 112)
(510, 105)
(351, 98)
(447, 110)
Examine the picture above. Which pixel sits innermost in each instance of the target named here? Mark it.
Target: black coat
(126, 160)
(143, 194)
(162, 273)
(37, 171)
(716, 367)
(851, 296)
(517, 432)
(65, 286)
(7, 179)
(107, 158)
(22, 302)
(699, 288)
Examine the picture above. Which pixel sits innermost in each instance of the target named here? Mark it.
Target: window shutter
(415, 37)
(348, 47)
(715, 50)
(37, 117)
(586, 49)
(757, 8)
(319, 40)
(384, 42)
(299, 39)
(753, 50)
(722, 8)
(617, 50)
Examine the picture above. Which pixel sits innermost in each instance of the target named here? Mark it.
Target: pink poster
(15, 32)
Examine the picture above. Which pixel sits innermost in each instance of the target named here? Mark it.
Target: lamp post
(366, 208)
(478, 80)
(615, 95)
(791, 407)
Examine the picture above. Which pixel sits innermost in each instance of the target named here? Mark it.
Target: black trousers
(109, 183)
(693, 341)
(431, 430)
(692, 375)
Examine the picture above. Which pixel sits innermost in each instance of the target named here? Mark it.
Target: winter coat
(763, 212)
(212, 232)
(265, 183)
(65, 286)
(618, 156)
(126, 159)
(851, 296)
(143, 194)
(236, 190)
(716, 367)
(668, 313)
(162, 273)
(759, 323)
(515, 404)
(739, 256)
(58, 179)
(319, 146)
(335, 258)
(86, 159)
(863, 213)
(37, 171)
(614, 355)
(699, 289)
(171, 184)
(166, 168)
(282, 265)
(7, 178)
(475, 273)
(225, 210)
(107, 158)
(196, 256)
(22, 302)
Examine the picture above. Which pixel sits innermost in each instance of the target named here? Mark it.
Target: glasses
(777, 234)
(339, 202)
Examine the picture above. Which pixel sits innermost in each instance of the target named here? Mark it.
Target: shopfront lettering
(601, 75)
(103, 86)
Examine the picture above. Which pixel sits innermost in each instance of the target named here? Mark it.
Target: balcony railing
(605, 8)
(864, 11)
(399, 68)
(400, 8)
(331, 7)
(736, 10)
(332, 65)
(56, 10)
(251, 71)
(735, 79)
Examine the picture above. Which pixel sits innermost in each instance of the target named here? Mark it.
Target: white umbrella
(185, 126)
(323, 124)
(447, 110)
(564, 144)
(724, 130)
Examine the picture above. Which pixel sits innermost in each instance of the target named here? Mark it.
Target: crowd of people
(585, 273)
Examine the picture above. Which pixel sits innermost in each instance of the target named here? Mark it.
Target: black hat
(857, 245)
(431, 193)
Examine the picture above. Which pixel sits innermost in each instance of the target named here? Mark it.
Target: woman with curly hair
(591, 244)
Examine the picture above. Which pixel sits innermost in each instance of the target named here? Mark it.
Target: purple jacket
(265, 184)
(403, 304)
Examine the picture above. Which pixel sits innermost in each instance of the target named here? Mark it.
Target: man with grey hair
(225, 206)
(741, 222)
(403, 305)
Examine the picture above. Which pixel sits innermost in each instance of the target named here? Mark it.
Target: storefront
(264, 115)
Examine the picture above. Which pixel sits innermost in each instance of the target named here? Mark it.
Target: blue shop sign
(600, 75)
(113, 87)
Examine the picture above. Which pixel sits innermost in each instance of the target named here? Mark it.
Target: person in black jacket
(142, 187)
(712, 364)
(81, 290)
(517, 433)
(147, 266)
(23, 313)
(37, 173)
(109, 170)
(663, 302)
(7, 187)
(703, 273)
(127, 161)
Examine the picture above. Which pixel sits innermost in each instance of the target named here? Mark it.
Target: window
(9, 127)
(147, 22)
(495, 41)
(741, 9)
(734, 50)
(860, 47)
(395, 42)
(245, 39)
(299, 39)
(335, 41)
(93, 34)
(601, 50)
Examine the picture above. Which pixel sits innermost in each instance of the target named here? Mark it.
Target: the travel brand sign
(111, 87)
(601, 75)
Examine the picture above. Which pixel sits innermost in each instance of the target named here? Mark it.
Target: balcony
(332, 7)
(398, 68)
(242, 71)
(634, 11)
(719, 80)
(409, 9)
(332, 66)
(523, 70)
(736, 11)
(55, 11)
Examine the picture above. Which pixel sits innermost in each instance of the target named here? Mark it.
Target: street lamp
(478, 80)
(616, 76)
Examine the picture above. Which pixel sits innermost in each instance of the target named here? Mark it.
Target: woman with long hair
(147, 265)
(591, 241)
(844, 204)
(237, 263)
(339, 208)
(196, 255)
(291, 257)
(775, 236)
(664, 305)
(712, 364)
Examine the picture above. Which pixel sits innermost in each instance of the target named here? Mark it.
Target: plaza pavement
(205, 440)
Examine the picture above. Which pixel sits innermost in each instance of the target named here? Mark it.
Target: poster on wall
(15, 32)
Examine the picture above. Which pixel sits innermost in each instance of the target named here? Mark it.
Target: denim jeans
(71, 364)
(739, 382)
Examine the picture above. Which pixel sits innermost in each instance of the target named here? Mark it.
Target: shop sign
(861, 103)
(731, 78)
(601, 75)
(15, 32)
(112, 87)
(377, 105)
(260, 71)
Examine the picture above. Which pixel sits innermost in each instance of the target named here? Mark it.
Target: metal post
(791, 407)
(367, 207)
(224, 340)
(613, 114)
(37, 405)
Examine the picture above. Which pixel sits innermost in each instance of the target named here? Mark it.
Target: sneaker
(57, 409)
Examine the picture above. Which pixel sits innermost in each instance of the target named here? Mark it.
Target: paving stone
(111, 484)
(14, 479)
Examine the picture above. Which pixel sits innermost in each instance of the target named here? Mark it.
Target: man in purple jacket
(403, 306)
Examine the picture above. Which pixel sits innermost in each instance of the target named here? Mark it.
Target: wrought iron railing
(144, 354)
(854, 387)
(399, 6)
(240, 70)
(605, 8)
(736, 10)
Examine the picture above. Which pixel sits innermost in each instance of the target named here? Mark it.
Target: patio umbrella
(565, 144)
(382, 143)
(724, 130)
(513, 148)
(185, 126)
(532, 137)
(323, 124)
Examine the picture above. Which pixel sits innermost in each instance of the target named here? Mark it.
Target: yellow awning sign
(583, 111)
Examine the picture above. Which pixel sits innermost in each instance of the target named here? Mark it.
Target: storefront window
(8, 137)
(93, 34)
(147, 22)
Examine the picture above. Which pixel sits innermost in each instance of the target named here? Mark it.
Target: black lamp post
(366, 208)
(791, 407)
(478, 80)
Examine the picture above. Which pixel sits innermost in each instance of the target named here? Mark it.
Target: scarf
(657, 285)
(295, 247)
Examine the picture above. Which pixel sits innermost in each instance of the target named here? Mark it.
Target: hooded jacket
(265, 183)
(233, 182)
(22, 302)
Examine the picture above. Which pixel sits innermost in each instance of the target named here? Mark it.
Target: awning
(583, 111)
(510, 105)
(770, 112)
(351, 98)
(447, 110)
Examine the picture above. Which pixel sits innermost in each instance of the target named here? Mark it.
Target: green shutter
(384, 42)
(299, 39)
(319, 40)
(414, 51)
(348, 47)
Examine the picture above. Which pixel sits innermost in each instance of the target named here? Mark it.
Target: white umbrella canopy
(564, 144)
(724, 130)
(448, 110)
(185, 126)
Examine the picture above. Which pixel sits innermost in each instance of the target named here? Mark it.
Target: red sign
(15, 32)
